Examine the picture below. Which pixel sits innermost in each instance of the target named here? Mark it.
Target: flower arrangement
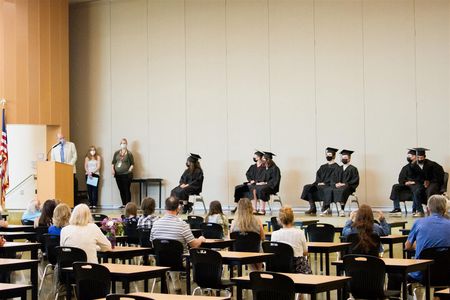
(112, 228)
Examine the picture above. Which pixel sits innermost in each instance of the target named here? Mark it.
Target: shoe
(326, 212)
(122, 206)
(311, 212)
(418, 215)
(396, 212)
(178, 292)
(233, 210)
(341, 213)
(262, 212)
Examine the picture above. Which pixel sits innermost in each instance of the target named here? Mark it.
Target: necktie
(62, 153)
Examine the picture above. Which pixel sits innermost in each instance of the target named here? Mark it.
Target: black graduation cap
(259, 153)
(346, 152)
(411, 151)
(194, 157)
(331, 150)
(421, 151)
(268, 154)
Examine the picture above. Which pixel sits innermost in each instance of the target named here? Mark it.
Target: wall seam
(227, 103)
(186, 114)
(364, 99)
(269, 76)
(415, 74)
(315, 83)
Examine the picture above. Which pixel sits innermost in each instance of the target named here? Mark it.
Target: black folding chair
(275, 224)
(66, 256)
(93, 281)
(194, 221)
(440, 269)
(212, 230)
(207, 271)
(169, 253)
(269, 286)
(246, 241)
(283, 260)
(131, 232)
(320, 232)
(51, 241)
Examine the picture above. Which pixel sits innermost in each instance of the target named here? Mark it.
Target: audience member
(295, 238)
(215, 215)
(148, 209)
(130, 221)
(84, 234)
(32, 212)
(61, 216)
(46, 218)
(92, 164)
(245, 220)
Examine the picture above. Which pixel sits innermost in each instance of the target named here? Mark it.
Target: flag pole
(2, 192)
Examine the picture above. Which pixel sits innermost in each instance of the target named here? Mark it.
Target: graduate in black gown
(254, 174)
(191, 182)
(314, 192)
(409, 179)
(433, 179)
(344, 182)
(270, 185)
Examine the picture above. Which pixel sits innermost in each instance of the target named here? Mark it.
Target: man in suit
(65, 152)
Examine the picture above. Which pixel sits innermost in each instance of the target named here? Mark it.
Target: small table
(397, 224)
(13, 264)
(12, 228)
(218, 243)
(400, 266)
(327, 248)
(443, 294)
(18, 235)
(157, 296)
(10, 248)
(123, 253)
(394, 239)
(231, 258)
(144, 182)
(10, 290)
(307, 284)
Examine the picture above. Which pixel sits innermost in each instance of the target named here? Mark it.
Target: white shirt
(89, 238)
(345, 166)
(292, 236)
(70, 154)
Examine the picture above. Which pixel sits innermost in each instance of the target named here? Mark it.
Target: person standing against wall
(122, 169)
(92, 165)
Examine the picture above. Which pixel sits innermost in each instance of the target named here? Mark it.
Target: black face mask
(329, 158)
(254, 159)
(421, 161)
(344, 161)
(409, 159)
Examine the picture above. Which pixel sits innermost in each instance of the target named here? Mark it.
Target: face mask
(92, 152)
(123, 146)
(254, 159)
(421, 161)
(409, 159)
(344, 161)
(329, 158)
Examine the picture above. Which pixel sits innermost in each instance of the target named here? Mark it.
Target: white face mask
(123, 146)
(92, 152)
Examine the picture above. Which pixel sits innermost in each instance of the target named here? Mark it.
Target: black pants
(241, 191)
(93, 191)
(124, 184)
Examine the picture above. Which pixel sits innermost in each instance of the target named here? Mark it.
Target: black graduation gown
(351, 179)
(195, 181)
(314, 192)
(273, 178)
(253, 173)
(402, 192)
(434, 173)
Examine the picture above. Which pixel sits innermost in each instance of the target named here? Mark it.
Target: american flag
(4, 176)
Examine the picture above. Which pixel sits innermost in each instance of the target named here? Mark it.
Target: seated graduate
(269, 186)
(408, 179)
(344, 182)
(314, 192)
(433, 179)
(191, 182)
(254, 174)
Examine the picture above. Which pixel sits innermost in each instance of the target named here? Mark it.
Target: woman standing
(92, 167)
(122, 170)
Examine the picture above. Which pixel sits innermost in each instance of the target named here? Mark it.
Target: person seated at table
(362, 223)
(84, 234)
(46, 218)
(148, 209)
(293, 237)
(32, 212)
(215, 215)
(171, 227)
(130, 221)
(61, 216)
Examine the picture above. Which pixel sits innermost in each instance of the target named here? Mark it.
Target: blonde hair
(286, 215)
(81, 215)
(61, 215)
(245, 220)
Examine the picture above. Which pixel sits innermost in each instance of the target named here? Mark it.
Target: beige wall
(222, 78)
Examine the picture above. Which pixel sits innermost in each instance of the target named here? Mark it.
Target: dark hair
(130, 209)
(47, 213)
(269, 162)
(193, 164)
(364, 225)
(88, 153)
(214, 208)
(172, 203)
(148, 206)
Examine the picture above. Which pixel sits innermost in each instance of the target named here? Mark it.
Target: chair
(367, 277)
(169, 253)
(269, 285)
(93, 281)
(194, 199)
(130, 230)
(274, 223)
(283, 260)
(66, 256)
(194, 221)
(440, 269)
(144, 237)
(126, 296)
(99, 217)
(207, 271)
(212, 230)
(320, 232)
(40, 231)
(355, 248)
(353, 199)
(51, 241)
(246, 241)
(406, 195)
(274, 198)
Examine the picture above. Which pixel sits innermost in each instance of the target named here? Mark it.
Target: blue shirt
(381, 229)
(31, 216)
(54, 230)
(432, 231)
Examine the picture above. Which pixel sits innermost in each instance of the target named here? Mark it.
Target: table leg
(126, 286)
(113, 287)
(34, 281)
(427, 285)
(391, 250)
(404, 284)
(140, 191)
(146, 285)
(327, 270)
(188, 275)
(160, 184)
(313, 296)
(238, 292)
(239, 267)
(68, 287)
(34, 253)
(164, 289)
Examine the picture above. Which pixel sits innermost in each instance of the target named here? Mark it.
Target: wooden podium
(55, 181)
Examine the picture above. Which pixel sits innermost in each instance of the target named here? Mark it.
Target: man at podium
(65, 152)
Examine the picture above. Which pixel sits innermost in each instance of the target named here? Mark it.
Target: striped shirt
(146, 221)
(172, 228)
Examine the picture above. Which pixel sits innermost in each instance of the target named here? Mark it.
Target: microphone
(53, 147)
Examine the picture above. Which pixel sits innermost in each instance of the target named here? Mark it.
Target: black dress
(273, 178)
(195, 181)
(350, 177)
(253, 173)
(314, 192)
